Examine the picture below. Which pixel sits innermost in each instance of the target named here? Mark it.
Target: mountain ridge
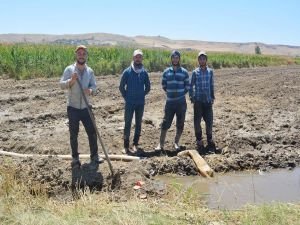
(142, 41)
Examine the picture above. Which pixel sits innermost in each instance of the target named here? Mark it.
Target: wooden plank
(201, 164)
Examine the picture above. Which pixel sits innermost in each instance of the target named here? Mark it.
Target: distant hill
(105, 39)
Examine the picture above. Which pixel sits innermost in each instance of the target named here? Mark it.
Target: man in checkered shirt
(202, 96)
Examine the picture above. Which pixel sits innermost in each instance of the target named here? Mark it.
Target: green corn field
(24, 61)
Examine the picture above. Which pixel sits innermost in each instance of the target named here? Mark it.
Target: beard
(175, 64)
(137, 64)
(81, 62)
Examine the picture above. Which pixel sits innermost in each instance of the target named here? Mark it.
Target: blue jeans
(138, 110)
(75, 116)
(205, 111)
(172, 109)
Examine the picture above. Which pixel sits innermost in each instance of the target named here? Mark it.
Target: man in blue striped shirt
(134, 86)
(175, 82)
(202, 96)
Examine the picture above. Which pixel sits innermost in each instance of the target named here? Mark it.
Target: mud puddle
(234, 190)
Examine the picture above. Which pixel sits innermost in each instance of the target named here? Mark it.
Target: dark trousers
(75, 116)
(205, 111)
(138, 110)
(172, 109)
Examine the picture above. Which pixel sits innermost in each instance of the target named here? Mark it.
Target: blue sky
(271, 22)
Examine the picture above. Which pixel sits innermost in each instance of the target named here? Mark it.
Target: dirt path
(256, 125)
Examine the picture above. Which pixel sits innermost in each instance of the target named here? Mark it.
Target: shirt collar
(75, 65)
(84, 69)
(178, 69)
(205, 68)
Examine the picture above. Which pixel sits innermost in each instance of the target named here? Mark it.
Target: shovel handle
(95, 127)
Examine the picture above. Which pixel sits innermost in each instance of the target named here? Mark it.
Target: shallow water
(234, 190)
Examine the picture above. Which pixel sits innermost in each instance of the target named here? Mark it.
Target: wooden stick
(201, 164)
(67, 157)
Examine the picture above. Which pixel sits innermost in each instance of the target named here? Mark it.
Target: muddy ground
(256, 126)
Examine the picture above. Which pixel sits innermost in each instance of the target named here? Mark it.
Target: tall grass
(22, 61)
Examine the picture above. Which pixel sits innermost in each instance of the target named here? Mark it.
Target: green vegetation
(18, 206)
(22, 61)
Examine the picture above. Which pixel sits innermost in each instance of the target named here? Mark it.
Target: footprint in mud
(38, 97)
(149, 121)
(13, 100)
(112, 109)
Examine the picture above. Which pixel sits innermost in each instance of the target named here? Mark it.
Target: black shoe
(135, 149)
(159, 148)
(97, 160)
(211, 146)
(75, 164)
(177, 147)
(94, 164)
(125, 151)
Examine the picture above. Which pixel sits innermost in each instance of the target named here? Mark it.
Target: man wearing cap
(202, 96)
(175, 83)
(76, 107)
(134, 86)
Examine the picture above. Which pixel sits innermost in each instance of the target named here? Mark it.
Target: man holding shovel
(77, 108)
(134, 86)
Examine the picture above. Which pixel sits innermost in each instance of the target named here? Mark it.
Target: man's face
(81, 56)
(175, 60)
(138, 59)
(202, 60)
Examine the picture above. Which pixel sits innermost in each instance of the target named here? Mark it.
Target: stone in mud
(143, 196)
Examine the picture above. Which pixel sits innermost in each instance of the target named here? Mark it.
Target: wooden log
(201, 164)
(69, 157)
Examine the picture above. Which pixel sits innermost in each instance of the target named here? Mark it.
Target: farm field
(256, 126)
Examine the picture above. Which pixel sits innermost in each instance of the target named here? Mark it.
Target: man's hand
(73, 79)
(88, 91)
